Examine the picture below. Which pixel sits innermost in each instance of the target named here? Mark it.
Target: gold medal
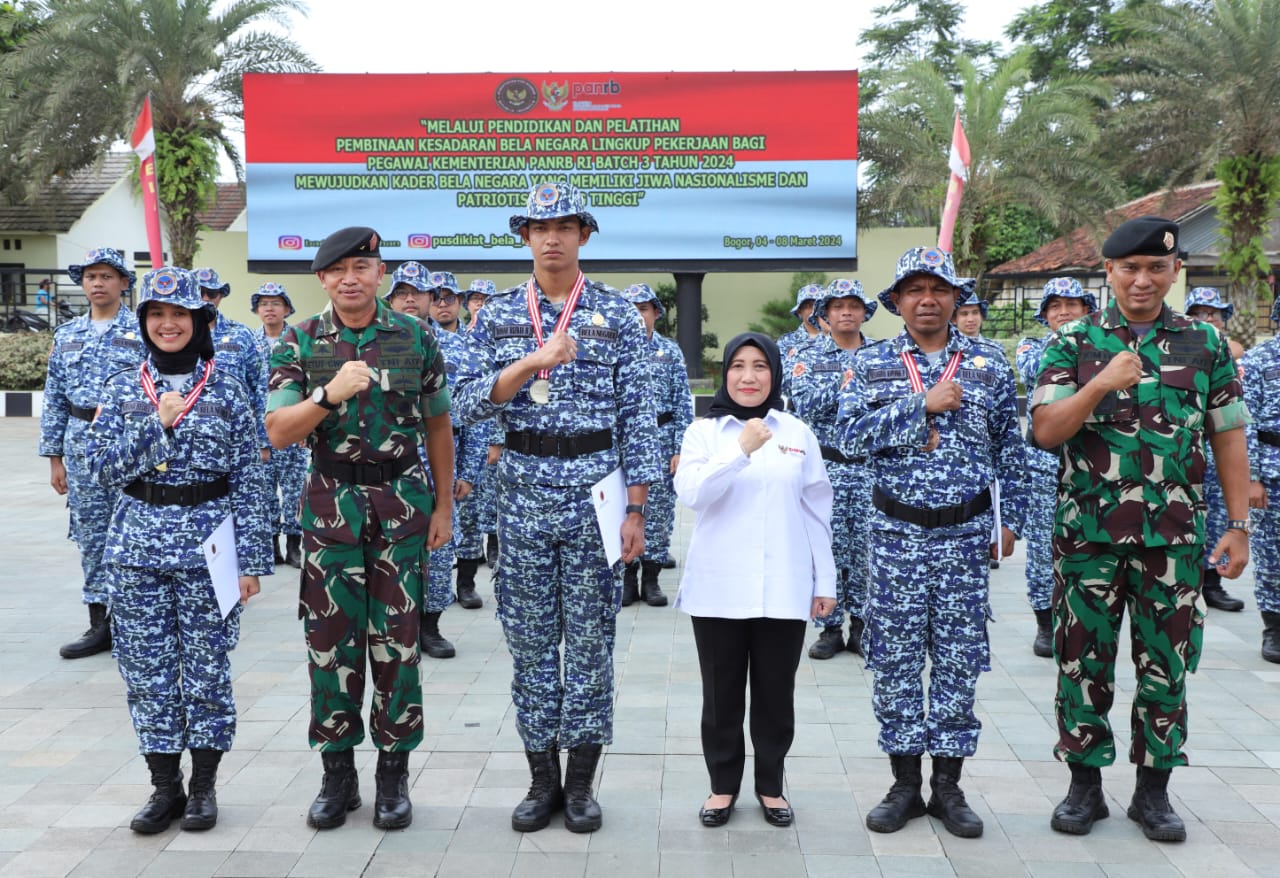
(162, 467)
(597, 319)
(979, 361)
(540, 391)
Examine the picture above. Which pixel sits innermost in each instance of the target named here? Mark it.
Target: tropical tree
(775, 315)
(916, 30)
(1071, 36)
(78, 80)
(1031, 150)
(15, 24)
(1205, 85)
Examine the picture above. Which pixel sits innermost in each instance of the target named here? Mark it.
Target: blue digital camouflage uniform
(553, 581)
(790, 342)
(1261, 367)
(287, 468)
(821, 369)
(80, 361)
(928, 588)
(168, 637)
(478, 511)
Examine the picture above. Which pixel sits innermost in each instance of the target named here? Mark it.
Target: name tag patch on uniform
(979, 375)
(601, 333)
(826, 367)
(228, 346)
(213, 409)
(1271, 374)
(513, 330)
(874, 375)
(131, 344)
(72, 346)
(137, 407)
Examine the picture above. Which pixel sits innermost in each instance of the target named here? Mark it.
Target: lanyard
(566, 314)
(913, 371)
(149, 388)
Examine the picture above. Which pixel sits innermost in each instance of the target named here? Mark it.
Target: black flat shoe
(776, 816)
(714, 817)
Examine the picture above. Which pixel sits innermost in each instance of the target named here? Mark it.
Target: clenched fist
(754, 435)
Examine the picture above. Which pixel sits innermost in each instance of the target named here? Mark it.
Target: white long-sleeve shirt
(761, 544)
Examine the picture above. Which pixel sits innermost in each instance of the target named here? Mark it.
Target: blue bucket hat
(921, 260)
(842, 288)
(176, 286)
(1275, 310)
(552, 200)
(1209, 297)
(208, 279)
(807, 293)
(271, 288)
(414, 274)
(637, 293)
(102, 256)
(442, 280)
(483, 287)
(1064, 288)
(969, 296)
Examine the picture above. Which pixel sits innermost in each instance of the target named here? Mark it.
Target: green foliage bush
(24, 357)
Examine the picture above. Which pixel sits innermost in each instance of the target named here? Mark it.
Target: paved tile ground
(71, 777)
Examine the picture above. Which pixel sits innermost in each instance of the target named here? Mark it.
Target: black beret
(351, 241)
(1142, 236)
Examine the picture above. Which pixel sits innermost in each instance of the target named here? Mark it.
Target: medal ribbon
(149, 388)
(913, 371)
(566, 314)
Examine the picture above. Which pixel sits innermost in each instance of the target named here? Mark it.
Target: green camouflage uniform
(1129, 528)
(365, 544)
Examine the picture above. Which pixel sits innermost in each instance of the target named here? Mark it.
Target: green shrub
(24, 357)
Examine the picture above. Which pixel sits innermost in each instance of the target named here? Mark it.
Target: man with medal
(366, 387)
(563, 367)
(936, 416)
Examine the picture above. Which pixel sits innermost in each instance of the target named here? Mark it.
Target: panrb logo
(516, 95)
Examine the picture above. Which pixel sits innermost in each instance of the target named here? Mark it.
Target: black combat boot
(947, 802)
(275, 548)
(669, 562)
(491, 551)
(431, 640)
(391, 806)
(630, 583)
(467, 597)
(856, 627)
(546, 795)
(168, 800)
(202, 804)
(581, 810)
(829, 642)
(650, 591)
(903, 801)
(339, 790)
(1043, 644)
(1271, 637)
(293, 550)
(1084, 805)
(1150, 807)
(97, 639)
(1216, 596)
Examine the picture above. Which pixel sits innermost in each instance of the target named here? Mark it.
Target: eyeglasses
(445, 299)
(408, 292)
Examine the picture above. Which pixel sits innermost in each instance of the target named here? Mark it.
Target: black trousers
(730, 652)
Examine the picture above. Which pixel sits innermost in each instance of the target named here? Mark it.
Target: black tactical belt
(548, 445)
(1269, 437)
(364, 473)
(834, 455)
(944, 516)
(666, 418)
(456, 430)
(83, 413)
(178, 495)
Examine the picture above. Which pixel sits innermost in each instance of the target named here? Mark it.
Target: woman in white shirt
(759, 567)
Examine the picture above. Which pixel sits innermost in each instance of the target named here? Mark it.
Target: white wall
(115, 220)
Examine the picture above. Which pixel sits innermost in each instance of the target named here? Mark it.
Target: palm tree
(76, 84)
(1030, 150)
(1204, 100)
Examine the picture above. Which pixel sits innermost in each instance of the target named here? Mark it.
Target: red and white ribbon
(913, 371)
(149, 388)
(562, 322)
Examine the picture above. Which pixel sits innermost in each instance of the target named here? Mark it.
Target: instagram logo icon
(419, 241)
(289, 242)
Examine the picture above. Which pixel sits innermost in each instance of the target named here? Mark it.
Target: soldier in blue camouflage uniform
(478, 515)
(287, 468)
(1205, 303)
(936, 416)
(177, 437)
(1062, 301)
(85, 351)
(822, 367)
(572, 394)
(788, 343)
(674, 403)
(1261, 366)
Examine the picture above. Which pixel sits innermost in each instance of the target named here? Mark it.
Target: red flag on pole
(959, 162)
(143, 140)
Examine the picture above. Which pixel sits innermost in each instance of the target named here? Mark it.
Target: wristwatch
(641, 509)
(1240, 524)
(320, 398)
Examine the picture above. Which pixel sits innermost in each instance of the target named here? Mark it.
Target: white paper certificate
(224, 565)
(609, 496)
(997, 529)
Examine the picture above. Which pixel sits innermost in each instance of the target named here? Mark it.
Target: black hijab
(722, 405)
(199, 346)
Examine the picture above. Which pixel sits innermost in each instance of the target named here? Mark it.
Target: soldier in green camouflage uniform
(360, 383)
(1130, 392)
